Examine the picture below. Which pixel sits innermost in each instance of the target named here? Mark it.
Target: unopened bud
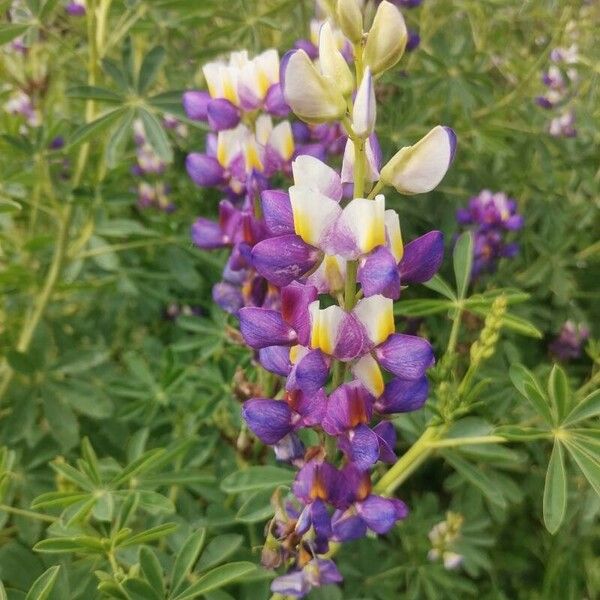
(350, 19)
(386, 40)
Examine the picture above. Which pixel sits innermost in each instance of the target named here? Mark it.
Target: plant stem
(350, 289)
(29, 514)
(467, 441)
(452, 341)
(409, 462)
(44, 297)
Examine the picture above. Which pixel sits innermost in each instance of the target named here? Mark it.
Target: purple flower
(299, 582)
(569, 342)
(76, 8)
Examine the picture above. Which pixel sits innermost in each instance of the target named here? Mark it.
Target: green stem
(350, 288)
(44, 297)
(378, 187)
(467, 441)
(29, 514)
(452, 341)
(409, 462)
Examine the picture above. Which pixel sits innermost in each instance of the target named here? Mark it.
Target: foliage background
(104, 364)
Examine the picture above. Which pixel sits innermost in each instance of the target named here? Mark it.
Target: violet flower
(569, 343)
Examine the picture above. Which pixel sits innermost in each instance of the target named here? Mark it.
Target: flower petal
(364, 111)
(284, 259)
(386, 39)
(277, 212)
(367, 371)
(195, 104)
(347, 526)
(378, 274)
(360, 228)
(376, 315)
(330, 276)
(295, 301)
(407, 356)
(310, 172)
(349, 406)
(333, 64)
(310, 95)
(364, 447)
(422, 258)
(403, 395)
(275, 359)
(380, 514)
(393, 234)
(270, 420)
(204, 170)
(420, 168)
(261, 327)
(311, 372)
(386, 436)
(335, 332)
(222, 114)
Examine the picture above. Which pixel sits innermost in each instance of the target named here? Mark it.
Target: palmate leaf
(218, 550)
(559, 392)
(151, 65)
(96, 127)
(555, 490)
(156, 135)
(525, 381)
(256, 478)
(587, 457)
(8, 32)
(152, 570)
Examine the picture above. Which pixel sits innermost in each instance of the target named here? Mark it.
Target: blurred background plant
(108, 332)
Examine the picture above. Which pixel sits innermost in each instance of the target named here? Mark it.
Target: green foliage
(125, 469)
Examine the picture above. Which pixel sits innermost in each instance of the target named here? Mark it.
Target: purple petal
(364, 447)
(351, 339)
(378, 274)
(317, 480)
(453, 142)
(293, 584)
(275, 103)
(401, 395)
(222, 114)
(380, 514)
(386, 436)
(311, 372)
(261, 327)
(204, 170)
(295, 299)
(308, 47)
(328, 572)
(289, 448)
(277, 212)
(284, 259)
(422, 258)
(229, 297)
(195, 104)
(283, 63)
(311, 407)
(275, 359)
(207, 234)
(407, 356)
(320, 518)
(270, 420)
(349, 405)
(347, 526)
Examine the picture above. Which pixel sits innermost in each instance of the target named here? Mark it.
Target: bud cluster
(313, 276)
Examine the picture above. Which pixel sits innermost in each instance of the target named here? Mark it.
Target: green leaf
(217, 578)
(559, 392)
(421, 308)
(154, 533)
(42, 586)
(477, 478)
(186, 558)
(463, 262)
(439, 285)
(91, 92)
(256, 508)
(151, 65)
(152, 570)
(589, 407)
(9, 32)
(138, 589)
(3, 595)
(95, 128)
(118, 139)
(256, 478)
(51, 499)
(140, 465)
(518, 433)
(555, 490)
(83, 544)
(525, 381)
(218, 549)
(587, 460)
(156, 135)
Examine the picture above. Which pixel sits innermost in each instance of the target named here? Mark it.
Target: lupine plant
(255, 339)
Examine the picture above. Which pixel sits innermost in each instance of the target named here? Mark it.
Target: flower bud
(386, 40)
(364, 112)
(312, 97)
(333, 64)
(420, 168)
(350, 19)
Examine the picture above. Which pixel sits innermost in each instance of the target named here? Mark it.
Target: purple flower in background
(76, 8)
(490, 216)
(569, 343)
